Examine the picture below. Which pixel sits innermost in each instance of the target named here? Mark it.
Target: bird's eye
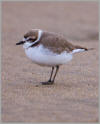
(30, 39)
(25, 37)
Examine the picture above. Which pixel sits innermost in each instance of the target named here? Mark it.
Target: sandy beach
(74, 96)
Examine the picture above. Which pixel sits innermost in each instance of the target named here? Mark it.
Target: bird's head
(30, 38)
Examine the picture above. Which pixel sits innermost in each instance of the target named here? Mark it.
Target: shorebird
(48, 49)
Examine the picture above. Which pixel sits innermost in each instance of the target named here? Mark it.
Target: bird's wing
(56, 43)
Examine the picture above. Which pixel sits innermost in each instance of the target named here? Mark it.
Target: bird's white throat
(27, 45)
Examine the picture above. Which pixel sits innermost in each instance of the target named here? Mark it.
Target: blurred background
(74, 96)
(76, 20)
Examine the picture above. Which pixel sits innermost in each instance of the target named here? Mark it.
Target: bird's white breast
(43, 56)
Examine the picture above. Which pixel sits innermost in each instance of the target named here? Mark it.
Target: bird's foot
(48, 82)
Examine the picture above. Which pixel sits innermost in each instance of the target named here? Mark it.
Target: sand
(74, 96)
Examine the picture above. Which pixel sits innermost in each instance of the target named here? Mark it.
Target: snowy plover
(48, 49)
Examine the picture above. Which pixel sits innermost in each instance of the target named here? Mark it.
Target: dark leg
(57, 68)
(49, 81)
(51, 74)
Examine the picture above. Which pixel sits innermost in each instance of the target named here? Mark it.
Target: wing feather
(55, 42)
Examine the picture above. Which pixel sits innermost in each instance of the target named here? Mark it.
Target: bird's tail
(81, 49)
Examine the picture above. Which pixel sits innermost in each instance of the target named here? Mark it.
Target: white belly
(45, 57)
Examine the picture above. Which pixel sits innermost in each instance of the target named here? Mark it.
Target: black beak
(20, 43)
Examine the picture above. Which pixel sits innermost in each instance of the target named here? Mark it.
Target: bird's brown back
(55, 42)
